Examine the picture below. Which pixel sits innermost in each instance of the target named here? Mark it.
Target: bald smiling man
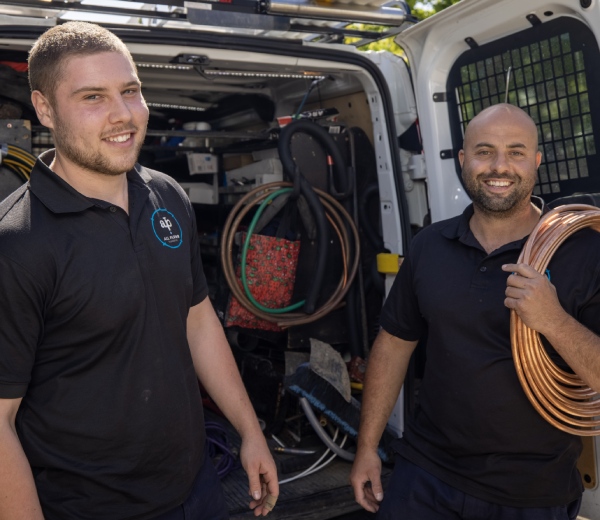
(475, 448)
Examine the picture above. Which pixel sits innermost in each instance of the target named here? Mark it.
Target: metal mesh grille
(547, 78)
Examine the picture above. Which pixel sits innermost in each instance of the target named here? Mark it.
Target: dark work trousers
(206, 501)
(414, 494)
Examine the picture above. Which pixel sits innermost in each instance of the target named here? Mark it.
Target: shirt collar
(59, 196)
(459, 228)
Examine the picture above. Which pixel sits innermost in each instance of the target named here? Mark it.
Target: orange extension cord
(560, 397)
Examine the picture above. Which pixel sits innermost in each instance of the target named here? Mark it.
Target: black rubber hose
(353, 298)
(370, 232)
(290, 169)
(372, 235)
(343, 177)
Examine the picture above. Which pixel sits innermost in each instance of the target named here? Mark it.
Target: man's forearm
(579, 347)
(226, 388)
(385, 374)
(18, 496)
(386, 370)
(531, 295)
(216, 368)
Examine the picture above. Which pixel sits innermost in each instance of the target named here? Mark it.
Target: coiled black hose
(306, 190)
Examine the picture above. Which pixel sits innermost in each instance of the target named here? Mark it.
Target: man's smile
(498, 183)
(118, 138)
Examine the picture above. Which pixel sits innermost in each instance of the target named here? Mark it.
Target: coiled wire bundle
(18, 160)
(338, 218)
(560, 397)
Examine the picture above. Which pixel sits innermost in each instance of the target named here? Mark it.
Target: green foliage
(421, 11)
(426, 9)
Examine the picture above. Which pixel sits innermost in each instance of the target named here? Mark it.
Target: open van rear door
(542, 57)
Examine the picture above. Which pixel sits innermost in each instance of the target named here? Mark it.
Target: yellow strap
(389, 263)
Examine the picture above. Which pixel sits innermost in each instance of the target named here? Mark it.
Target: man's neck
(110, 188)
(493, 232)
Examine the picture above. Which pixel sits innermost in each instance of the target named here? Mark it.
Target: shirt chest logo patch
(166, 228)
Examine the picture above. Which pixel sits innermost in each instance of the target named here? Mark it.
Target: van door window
(547, 68)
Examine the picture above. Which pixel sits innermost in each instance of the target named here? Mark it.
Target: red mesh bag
(271, 272)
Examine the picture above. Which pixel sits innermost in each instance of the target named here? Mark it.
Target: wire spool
(560, 397)
(339, 219)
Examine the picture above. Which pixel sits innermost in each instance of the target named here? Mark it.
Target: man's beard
(498, 206)
(89, 160)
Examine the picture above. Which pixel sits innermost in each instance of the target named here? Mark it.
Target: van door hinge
(440, 97)
(447, 154)
(533, 19)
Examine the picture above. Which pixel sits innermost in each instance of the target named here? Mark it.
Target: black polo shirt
(93, 337)
(474, 428)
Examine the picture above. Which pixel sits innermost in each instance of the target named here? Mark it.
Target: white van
(224, 79)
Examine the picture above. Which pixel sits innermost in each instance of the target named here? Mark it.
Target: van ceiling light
(300, 75)
(169, 66)
(175, 107)
(230, 73)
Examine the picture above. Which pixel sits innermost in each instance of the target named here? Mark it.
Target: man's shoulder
(446, 225)
(162, 184)
(157, 179)
(15, 211)
(7, 203)
(582, 243)
(19, 236)
(443, 229)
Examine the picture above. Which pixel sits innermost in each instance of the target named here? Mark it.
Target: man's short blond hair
(65, 41)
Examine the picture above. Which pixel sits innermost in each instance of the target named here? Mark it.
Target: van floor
(320, 496)
(323, 495)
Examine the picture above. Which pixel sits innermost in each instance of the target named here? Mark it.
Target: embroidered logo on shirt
(166, 228)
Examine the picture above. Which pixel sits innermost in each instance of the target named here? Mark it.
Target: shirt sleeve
(200, 290)
(200, 285)
(589, 313)
(400, 315)
(21, 309)
(575, 272)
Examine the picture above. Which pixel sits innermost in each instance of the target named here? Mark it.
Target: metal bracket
(440, 97)
(533, 19)
(17, 132)
(447, 154)
(191, 59)
(471, 42)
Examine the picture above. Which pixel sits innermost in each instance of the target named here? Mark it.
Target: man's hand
(534, 298)
(262, 474)
(365, 478)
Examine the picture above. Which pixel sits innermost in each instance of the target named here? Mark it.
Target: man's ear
(461, 157)
(43, 109)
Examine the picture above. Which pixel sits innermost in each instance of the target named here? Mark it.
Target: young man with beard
(475, 447)
(106, 324)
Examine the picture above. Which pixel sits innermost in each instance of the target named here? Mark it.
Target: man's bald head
(501, 113)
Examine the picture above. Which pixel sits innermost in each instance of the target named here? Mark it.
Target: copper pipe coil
(336, 215)
(560, 397)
